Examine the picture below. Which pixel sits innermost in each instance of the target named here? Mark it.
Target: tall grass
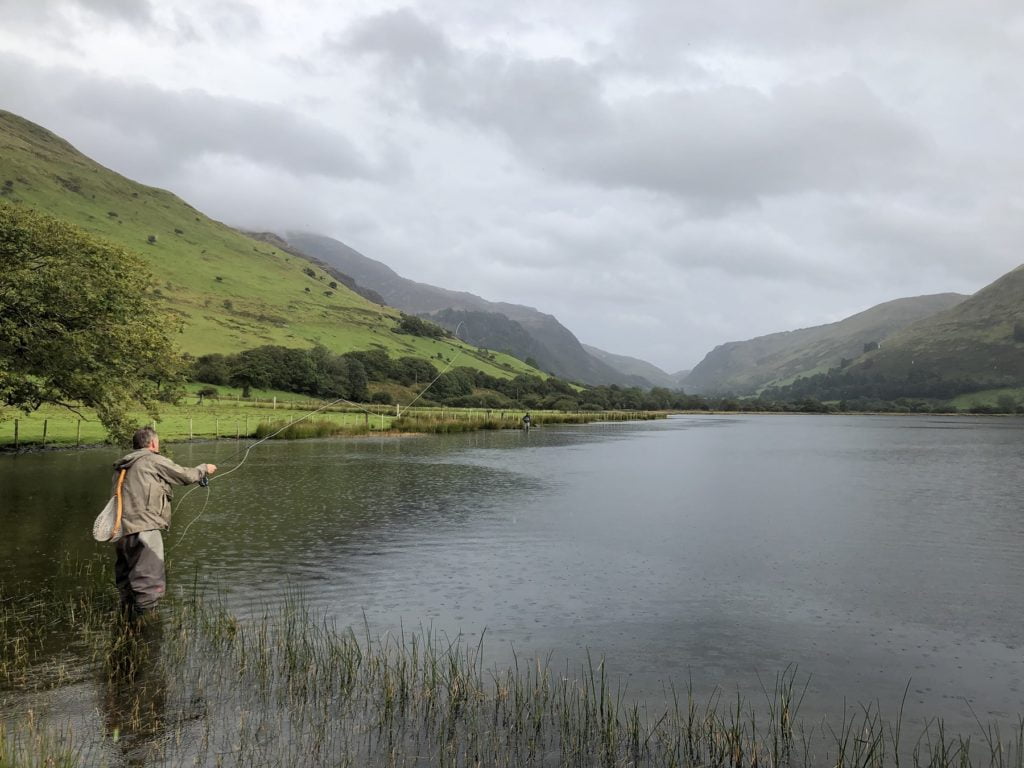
(282, 430)
(456, 421)
(197, 686)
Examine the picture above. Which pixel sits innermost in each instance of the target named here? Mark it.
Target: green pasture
(988, 398)
(223, 419)
(232, 417)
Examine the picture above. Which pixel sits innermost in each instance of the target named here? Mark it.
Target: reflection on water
(134, 690)
(868, 551)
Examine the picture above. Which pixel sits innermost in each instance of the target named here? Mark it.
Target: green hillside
(981, 340)
(231, 292)
(744, 367)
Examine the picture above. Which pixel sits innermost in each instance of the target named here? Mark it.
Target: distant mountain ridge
(743, 367)
(632, 366)
(281, 244)
(553, 346)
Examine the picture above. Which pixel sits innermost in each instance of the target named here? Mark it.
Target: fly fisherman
(145, 478)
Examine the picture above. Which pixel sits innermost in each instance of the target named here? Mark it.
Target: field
(230, 416)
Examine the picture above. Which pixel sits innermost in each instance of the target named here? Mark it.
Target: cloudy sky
(662, 176)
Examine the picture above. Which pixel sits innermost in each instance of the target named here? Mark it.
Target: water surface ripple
(869, 551)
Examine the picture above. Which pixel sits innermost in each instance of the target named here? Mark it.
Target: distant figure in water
(527, 422)
(142, 481)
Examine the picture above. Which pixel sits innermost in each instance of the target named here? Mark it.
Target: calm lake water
(868, 551)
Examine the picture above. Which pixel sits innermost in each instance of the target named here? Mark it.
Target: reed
(302, 430)
(453, 421)
(198, 686)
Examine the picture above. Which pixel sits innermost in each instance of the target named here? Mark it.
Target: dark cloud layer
(715, 147)
(663, 176)
(164, 128)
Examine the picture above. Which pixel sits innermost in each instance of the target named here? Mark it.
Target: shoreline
(467, 425)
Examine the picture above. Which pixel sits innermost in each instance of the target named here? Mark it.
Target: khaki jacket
(146, 493)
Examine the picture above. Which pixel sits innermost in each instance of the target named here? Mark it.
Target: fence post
(78, 434)
(46, 423)
(246, 426)
(238, 432)
(216, 428)
(275, 402)
(190, 429)
(16, 425)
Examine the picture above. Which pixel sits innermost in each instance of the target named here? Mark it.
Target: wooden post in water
(78, 434)
(46, 423)
(190, 429)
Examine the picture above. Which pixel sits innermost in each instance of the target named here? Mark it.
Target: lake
(869, 551)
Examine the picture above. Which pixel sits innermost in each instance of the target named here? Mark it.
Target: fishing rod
(205, 482)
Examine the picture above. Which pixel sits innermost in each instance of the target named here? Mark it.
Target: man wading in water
(145, 478)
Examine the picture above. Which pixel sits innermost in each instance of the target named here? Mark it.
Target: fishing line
(398, 412)
(239, 464)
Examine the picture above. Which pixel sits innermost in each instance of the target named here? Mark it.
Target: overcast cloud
(662, 176)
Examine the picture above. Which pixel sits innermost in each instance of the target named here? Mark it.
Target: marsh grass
(282, 430)
(197, 686)
(445, 422)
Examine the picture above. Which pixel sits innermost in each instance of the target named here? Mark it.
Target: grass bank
(234, 417)
(198, 686)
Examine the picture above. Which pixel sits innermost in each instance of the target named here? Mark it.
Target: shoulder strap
(120, 502)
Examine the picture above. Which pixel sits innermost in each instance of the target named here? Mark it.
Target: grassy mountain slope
(743, 367)
(230, 291)
(556, 349)
(974, 340)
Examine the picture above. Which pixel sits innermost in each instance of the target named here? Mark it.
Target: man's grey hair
(143, 437)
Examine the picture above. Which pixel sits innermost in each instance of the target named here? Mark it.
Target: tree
(78, 326)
